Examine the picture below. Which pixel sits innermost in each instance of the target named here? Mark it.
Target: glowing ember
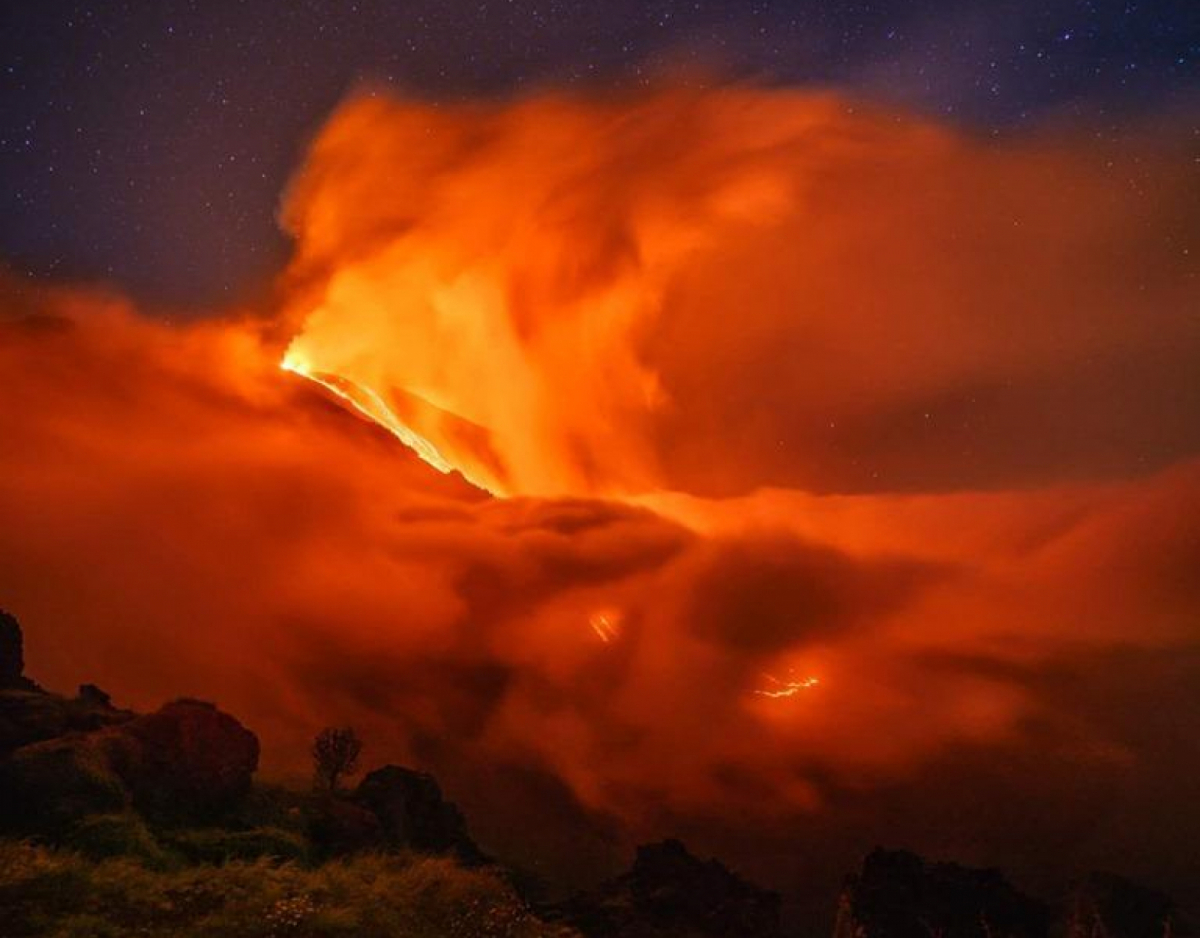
(607, 625)
(786, 688)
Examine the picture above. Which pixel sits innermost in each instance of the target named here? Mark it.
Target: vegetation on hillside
(63, 894)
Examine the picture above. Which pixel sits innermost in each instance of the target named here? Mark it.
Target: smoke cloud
(849, 474)
(715, 291)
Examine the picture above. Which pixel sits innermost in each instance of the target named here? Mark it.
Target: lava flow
(780, 688)
(368, 403)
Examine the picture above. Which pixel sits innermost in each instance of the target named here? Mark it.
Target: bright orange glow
(606, 625)
(837, 453)
(371, 405)
(790, 688)
(713, 291)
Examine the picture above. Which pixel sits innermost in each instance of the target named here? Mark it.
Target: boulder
(1109, 906)
(62, 759)
(338, 826)
(900, 895)
(185, 760)
(414, 815)
(670, 892)
(31, 716)
(70, 758)
(46, 788)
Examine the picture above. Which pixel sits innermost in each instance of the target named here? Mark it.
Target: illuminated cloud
(712, 291)
(695, 335)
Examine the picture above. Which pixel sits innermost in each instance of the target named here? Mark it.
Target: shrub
(335, 753)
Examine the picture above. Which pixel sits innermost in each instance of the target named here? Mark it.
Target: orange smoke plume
(848, 470)
(710, 291)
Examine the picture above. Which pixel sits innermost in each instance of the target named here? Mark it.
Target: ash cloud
(715, 290)
(677, 298)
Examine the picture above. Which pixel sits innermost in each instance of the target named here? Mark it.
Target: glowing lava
(606, 625)
(368, 403)
(786, 688)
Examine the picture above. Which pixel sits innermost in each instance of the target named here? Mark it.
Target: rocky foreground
(114, 823)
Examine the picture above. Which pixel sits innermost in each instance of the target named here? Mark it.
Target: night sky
(147, 144)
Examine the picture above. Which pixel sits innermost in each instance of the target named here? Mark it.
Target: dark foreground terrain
(116, 824)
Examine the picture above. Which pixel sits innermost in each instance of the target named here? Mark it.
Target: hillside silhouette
(115, 823)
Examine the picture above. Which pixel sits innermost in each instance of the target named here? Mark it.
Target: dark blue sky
(147, 142)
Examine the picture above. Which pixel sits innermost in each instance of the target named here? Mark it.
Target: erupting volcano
(780, 465)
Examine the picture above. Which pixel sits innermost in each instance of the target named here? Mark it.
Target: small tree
(335, 753)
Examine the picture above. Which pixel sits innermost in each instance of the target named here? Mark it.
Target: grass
(221, 846)
(62, 894)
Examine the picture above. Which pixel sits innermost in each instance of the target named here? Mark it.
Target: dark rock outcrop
(669, 892)
(29, 714)
(414, 815)
(66, 762)
(49, 786)
(1109, 906)
(338, 826)
(187, 759)
(92, 696)
(12, 653)
(899, 895)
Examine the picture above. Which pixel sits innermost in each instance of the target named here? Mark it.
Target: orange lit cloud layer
(853, 468)
(713, 291)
